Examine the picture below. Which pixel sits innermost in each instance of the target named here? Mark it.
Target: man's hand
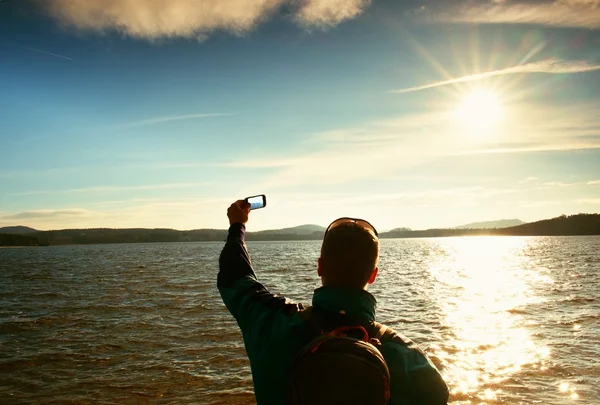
(238, 212)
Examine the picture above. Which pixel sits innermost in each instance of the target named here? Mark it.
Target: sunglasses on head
(346, 220)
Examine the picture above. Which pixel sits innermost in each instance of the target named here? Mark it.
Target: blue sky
(155, 113)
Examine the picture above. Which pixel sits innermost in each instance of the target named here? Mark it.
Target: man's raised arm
(234, 261)
(245, 297)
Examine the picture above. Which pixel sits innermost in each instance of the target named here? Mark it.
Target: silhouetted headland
(11, 239)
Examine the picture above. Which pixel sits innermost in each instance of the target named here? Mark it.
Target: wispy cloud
(528, 180)
(538, 127)
(383, 149)
(560, 184)
(433, 195)
(551, 145)
(155, 19)
(561, 13)
(549, 185)
(554, 185)
(179, 213)
(592, 201)
(193, 213)
(352, 154)
(390, 201)
(56, 55)
(48, 214)
(169, 118)
(263, 163)
(173, 201)
(112, 189)
(548, 66)
(539, 203)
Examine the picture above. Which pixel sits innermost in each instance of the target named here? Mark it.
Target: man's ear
(319, 267)
(373, 276)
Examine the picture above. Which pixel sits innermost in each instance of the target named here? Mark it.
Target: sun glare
(480, 109)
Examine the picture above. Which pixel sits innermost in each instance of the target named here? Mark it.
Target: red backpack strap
(341, 332)
(371, 330)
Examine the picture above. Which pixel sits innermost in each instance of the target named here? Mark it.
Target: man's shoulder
(403, 354)
(399, 345)
(391, 336)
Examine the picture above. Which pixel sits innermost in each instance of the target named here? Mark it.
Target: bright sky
(159, 113)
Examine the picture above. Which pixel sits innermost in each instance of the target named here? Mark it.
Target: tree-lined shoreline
(580, 224)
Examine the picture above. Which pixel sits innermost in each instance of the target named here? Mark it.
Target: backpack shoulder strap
(380, 330)
(375, 329)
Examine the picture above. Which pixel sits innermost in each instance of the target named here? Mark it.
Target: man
(275, 330)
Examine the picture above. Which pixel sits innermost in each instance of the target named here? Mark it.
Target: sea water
(508, 320)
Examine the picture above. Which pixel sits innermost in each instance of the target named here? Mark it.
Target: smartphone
(257, 201)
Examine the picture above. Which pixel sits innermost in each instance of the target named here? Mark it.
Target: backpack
(343, 366)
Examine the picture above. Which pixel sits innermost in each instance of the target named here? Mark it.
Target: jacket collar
(353, 302)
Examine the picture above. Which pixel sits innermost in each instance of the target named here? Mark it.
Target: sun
(480, 109)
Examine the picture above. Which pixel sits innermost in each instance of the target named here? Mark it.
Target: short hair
(349, 255)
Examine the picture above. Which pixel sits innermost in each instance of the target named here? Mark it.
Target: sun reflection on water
(486, 286)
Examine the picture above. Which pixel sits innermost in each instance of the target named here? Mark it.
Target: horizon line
(301, 225)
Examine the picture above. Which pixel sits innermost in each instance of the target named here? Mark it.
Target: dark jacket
(274, 331)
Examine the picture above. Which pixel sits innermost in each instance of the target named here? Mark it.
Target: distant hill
(302, 232)
(580, 224)
(19, 230)
(502, 223)
(296, 230)
(403, 229)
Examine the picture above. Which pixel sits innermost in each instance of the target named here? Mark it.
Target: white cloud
(154, 19)
(548, 66)
(560, 184)
(325, 13)
(593, 183)
(561, 13)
